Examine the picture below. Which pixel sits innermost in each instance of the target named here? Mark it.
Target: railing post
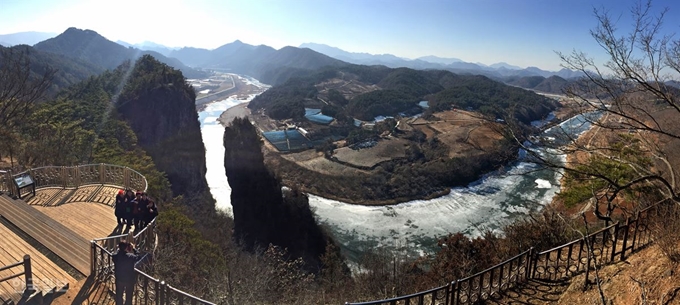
(76, 175)
(530, 257)
(10, 183)
(6, 182)
(161, 293)
(635, 233)
(126, 177)
(625, 239)
(102, 174)
(615, 239)
(93, 257)
(28, 273)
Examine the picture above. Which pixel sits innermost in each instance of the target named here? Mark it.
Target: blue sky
(519, 32)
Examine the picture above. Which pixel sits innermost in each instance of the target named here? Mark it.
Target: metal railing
(5, 182)
(602, 247)
(149, 290)
(75, 176)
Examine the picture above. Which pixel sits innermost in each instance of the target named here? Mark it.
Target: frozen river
(414, 226)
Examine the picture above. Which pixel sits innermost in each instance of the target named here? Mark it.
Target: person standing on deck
(129, 204)
(137, 211)
(124, 263)
(119, 209)
(142, 211)
(151, 212)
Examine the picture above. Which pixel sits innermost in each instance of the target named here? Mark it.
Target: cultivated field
(386, 149)
(346, 84)
(462, 131)
(315, 161)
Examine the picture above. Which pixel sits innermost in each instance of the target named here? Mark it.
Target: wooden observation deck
(54, 222)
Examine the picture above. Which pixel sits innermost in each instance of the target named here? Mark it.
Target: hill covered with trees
(89, 46)
(393, 91)
(67, 71)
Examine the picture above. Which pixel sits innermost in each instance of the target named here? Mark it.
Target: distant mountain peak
(505, 65)
(28, 38)
(439, 60)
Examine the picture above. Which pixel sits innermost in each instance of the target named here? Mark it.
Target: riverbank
(238, 111)
(413, 227)
(284, 163)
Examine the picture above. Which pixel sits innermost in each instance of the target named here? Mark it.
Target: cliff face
(159, 106)
(263, 214)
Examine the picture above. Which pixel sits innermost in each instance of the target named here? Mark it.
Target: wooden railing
(75, 176)
(27, 274)
(602, 247)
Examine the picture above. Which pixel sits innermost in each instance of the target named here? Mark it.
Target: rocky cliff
(263, 213)
(159, 106)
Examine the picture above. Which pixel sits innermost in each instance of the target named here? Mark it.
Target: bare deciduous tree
(20, 89)
(632, 148)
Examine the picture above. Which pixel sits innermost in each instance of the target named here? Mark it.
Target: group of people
(134, 208)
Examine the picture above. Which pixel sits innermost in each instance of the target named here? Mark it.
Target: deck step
(62, 241)
(94, 194)
(66, 197)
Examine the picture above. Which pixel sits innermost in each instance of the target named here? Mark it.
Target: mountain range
(149, 46)
(262, 62)
(497, 71)
(267, 64)
(27, 38)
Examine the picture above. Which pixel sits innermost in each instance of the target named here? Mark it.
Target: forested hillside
(398, 90)
(89, 46)
(553, 84)
(67, 71)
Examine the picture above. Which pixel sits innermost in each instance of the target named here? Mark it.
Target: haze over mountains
(497, 70)
(27, 38)
(265, 63)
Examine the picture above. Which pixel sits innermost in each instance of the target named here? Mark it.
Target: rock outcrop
(264, 213)
(159, 106)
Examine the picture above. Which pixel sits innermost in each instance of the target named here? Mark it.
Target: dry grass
(647, 274)
(463, 132)
(385, 150)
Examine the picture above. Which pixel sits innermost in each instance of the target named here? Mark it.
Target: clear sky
(519, 32)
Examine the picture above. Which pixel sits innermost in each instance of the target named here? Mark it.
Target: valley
(315, 175)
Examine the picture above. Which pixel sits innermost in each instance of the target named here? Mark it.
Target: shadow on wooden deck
(94, 292)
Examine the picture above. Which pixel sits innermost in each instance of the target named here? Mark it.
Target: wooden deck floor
(89, 220)
(62, 241)
(46, 274)
(62, 221)
(54, 196)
